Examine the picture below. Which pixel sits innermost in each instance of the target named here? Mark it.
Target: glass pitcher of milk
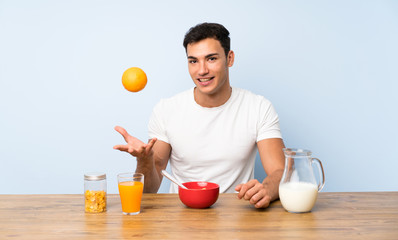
(298, 189)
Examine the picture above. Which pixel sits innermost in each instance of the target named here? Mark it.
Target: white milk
(298, 196)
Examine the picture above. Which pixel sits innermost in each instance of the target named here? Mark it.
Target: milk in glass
(298, 188)
(298, 196)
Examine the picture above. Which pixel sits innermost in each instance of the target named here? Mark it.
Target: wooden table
(163, 216)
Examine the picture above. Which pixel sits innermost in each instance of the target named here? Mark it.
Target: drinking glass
(131, 186)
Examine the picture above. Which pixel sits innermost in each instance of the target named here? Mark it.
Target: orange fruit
(134, 79)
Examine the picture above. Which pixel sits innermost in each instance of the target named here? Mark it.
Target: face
(208, 66)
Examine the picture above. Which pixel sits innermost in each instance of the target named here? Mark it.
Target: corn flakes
(95, 201)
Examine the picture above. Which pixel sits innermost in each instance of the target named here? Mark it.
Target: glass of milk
(298, 189)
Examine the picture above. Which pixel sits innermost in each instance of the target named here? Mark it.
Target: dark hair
(208, 30)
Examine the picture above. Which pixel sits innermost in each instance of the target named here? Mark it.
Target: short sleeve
(268, 122)
(156, 125)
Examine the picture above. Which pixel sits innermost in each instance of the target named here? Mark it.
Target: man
(212, 131)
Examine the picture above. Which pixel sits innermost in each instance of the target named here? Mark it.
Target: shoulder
(175, 101)
(250, 97)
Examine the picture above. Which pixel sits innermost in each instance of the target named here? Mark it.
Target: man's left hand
(254, 192)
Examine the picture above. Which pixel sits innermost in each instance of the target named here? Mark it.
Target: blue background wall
(329, 67)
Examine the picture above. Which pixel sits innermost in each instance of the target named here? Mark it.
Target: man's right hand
(134, 146)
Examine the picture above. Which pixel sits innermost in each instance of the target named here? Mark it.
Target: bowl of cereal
(199, 194)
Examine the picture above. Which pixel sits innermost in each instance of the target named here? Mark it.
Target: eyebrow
(207, 56)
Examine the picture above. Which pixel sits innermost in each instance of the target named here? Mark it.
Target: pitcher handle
(321, 176)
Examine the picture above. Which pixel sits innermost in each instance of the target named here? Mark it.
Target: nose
(203, 70)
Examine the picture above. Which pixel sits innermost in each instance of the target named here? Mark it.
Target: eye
(192, 61)
(212, 59)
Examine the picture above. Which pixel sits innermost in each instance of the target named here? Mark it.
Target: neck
(212, 100)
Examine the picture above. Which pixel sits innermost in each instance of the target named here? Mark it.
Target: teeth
(204, 79)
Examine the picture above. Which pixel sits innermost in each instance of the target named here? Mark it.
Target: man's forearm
(152, 179)
(271, 182)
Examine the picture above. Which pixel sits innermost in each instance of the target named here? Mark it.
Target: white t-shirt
(214, 144)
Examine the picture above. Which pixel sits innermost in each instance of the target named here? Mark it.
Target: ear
(230, 58)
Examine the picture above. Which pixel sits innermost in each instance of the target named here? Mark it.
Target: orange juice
(130, 195)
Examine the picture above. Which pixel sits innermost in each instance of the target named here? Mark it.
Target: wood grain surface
(363, 215)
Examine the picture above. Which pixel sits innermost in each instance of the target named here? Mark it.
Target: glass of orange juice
(131, 186)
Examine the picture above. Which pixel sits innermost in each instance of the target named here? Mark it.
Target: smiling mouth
(205, 79)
